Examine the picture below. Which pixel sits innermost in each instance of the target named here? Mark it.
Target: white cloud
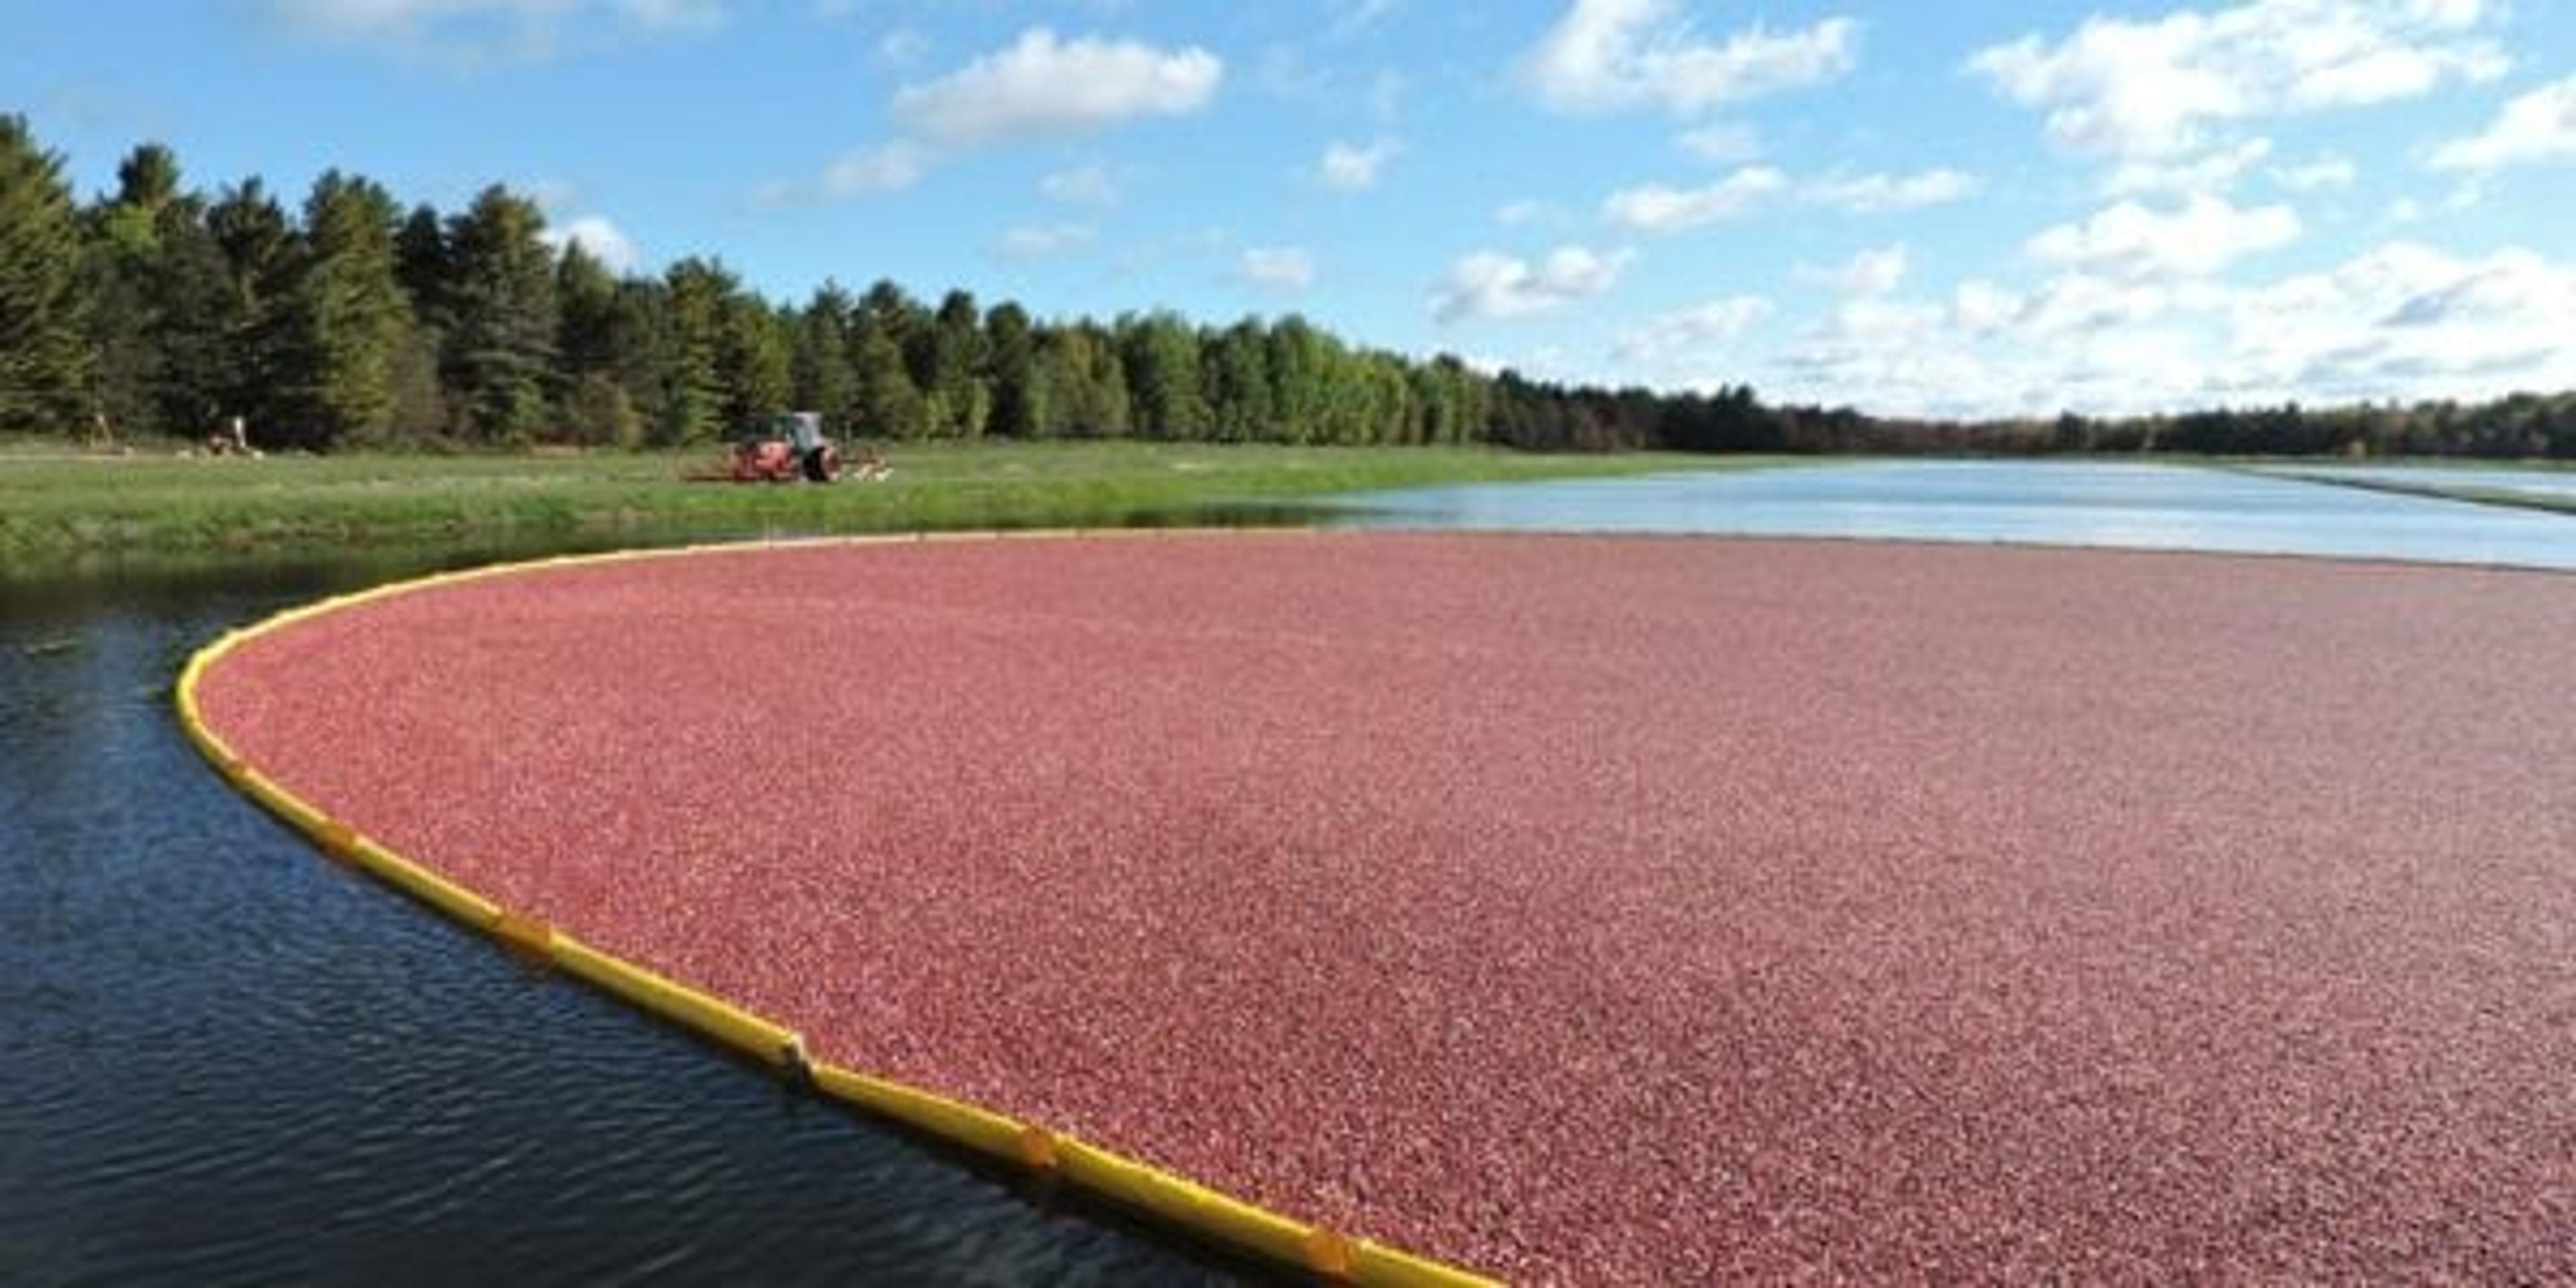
(2407, 320)
(902, 47)
(2317, 175)
(1041, 241)
(860, 172)
(1089, 184)
(1663, 209)
(1872, 193)
(2532, 129)
(1980, 307)
(2200, 237)
(1883, 322)
(1350, 167)
(2401, 321)
(1688, 336)
(2151, 88)
(596, 234)
(2083, 303)
(1524, 214)
(1042, 87)
(1488, 284)
(889, 167)
(2212, 171)
(1883, 355)
(1277, 268)
(1872, 272)
(1724, 144)
(1607, 55)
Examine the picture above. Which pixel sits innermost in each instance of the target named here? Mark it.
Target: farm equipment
(791, 448)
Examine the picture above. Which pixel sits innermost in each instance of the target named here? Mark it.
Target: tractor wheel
(823, 463)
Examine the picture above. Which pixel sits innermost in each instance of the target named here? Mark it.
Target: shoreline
(144, 509)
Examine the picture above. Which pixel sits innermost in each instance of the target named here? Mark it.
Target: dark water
(224, 1060)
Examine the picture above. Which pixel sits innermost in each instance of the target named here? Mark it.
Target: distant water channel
(2559, 484)
(223, 1059)
(2155, 507)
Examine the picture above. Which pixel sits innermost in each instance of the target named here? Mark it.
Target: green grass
(58, 507)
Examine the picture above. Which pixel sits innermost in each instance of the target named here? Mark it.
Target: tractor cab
(803, 431)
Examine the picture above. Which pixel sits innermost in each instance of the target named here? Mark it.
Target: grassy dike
(63, 509)
(2429, 481)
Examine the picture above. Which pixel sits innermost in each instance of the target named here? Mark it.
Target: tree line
(352, 320)
(2515, 426)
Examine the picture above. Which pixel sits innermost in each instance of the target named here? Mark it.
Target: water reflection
(2160, 507)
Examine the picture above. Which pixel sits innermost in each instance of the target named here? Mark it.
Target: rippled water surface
(224, 1060)
(2161, 507)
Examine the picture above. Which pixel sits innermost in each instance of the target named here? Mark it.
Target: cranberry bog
(1555, 908)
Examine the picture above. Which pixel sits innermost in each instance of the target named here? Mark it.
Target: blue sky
(1912, 207)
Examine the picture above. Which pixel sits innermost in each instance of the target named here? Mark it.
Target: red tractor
(793, 448)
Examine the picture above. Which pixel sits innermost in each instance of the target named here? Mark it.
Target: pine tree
(755, 361)
(890, 394)
(639, 350)
(500, 293)
(693, 394)
(45, 363)
(348, 319)
(1011, 369)
(258, 246)
(597, 410)
(120, 258)
(890, 405)
(586, 312)
(423, 265)
(191, 292)
(824, 380)
(961, 402)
